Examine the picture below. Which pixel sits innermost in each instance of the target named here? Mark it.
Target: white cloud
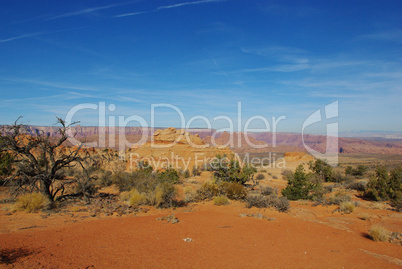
(167, 7)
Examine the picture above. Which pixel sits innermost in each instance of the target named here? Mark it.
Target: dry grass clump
(207, 191)
(365, 216)
(261, 201)
(136, 198)
(162, 196)
(347, 207)
(232, 190)
(378, 233)
(221, 200)
(124, 196)
(377, 205)
(339, 197)
(189, 195)
(31, 202)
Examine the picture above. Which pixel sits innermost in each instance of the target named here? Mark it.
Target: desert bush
(189, 195)
(287, 174)
(260, 177)
(274, 177)
(124, 196)
(136, 198)
(124, 181)
(196, 171)
(339, 197)
(162, 196)
(282, 204)
(269, 190)
(225, 169)
(347, 207)
(186, 173)
(169, 175)
(322, 169)
(329, 188)
(6, 161)
(232, 190)
(31, 202)
(365, 216)
(105, 179)
(378, 233)
(40, 160)
(359, 171)
(221, 200)
(338, 177)
(298, 187)
(398, 205)
(257, 200)
(207, 191)
(357, 185)
(383, 186)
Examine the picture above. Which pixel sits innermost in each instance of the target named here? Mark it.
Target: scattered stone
(256, 215)
(188, 239)
(170, 218)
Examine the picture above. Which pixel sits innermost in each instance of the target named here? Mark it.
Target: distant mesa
(178, 136)
(180, 150)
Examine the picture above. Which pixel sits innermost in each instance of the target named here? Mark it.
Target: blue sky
(278, 58)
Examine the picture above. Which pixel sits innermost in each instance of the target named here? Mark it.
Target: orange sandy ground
(305, 237)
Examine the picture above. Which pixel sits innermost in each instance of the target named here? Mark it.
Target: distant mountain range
(352, 142)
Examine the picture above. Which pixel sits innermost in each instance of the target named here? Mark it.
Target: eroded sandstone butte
(176, 148)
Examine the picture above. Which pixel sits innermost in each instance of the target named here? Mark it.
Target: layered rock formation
(176, 148)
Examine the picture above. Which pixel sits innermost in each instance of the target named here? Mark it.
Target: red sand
(220, 239)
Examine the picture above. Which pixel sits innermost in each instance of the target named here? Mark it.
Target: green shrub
(322, 169)
(383, 186)
(196, 171)
(298, 187)
(378, 233)
(347, 207)
(6, 161)
(31, 202)
(221, 200)
(359, 171)
(169, 175)
(225, 169)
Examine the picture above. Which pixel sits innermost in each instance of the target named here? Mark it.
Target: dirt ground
(221, 237)
(206, 236)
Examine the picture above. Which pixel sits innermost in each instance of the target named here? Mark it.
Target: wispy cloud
(85, 11)
(395, 36)
(51, 84)
(39, 34)
(168, 7)
(20, 36)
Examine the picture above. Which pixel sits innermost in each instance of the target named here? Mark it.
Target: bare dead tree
(39, 161)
